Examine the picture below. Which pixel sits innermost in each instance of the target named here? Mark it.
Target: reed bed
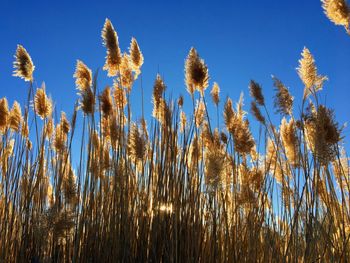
(176, 189)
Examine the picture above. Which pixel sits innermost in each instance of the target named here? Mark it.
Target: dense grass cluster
(180, 190)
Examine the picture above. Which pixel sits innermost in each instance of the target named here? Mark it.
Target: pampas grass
(180, 188)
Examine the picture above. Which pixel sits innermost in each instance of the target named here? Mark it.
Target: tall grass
(176, 190)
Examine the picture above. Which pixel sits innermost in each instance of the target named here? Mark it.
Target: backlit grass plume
(23, 64)
(196, 73)
(106, 102)
(83, 81)
(307, 71)
(135, 56)
(126, 78)
(256, 92)
(105, 186)
(290, 141)
(4, 114)
(83, 76)
(283, 100)
(15, 116)
(215, 92)
(110, 41)
(42, 104)
(338, 11)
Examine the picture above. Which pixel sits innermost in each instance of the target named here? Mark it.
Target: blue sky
(239, 40)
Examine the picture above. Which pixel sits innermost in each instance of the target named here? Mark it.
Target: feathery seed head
(42, 104)
(83, 82)
(290, 141)
(307, 71)
(256, 93)
(214, 167)
(4, 114)
(322, 133)
(183, 121)
(243, 138)
(196, 73)
(229, 114)
(49, 128)
(23, 64)
(119, 96)
(257, 113)
(106, 102)
(60, 139)
(137, 143)
(338, 12)
(15, 116)
(135, 56)
(110, 41)
(199, 113)
(158, 90)
(283, 100)
(64, 123)
(126, 77)
(83, 76)
(215, 91)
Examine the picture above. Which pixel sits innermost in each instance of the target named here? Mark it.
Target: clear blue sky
(239, 40)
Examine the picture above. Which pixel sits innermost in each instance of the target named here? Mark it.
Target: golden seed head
(290, 141)
(126, 77)
(162, 112)
(83, 76)
(137, 143)
(196, 73)
(106, 102)
(114, 130)
(215, 91)
(199, 113)
(42, 104)
(273, 163)
(307, 71)
(4, 114)
(23, 64)
(83, 82)
(322, 133)
(158, 90)
(256, 93)
(229, 114)
(243, 138)
(49, 128)
(25, 129)
(338, 12)
(214, 167)
(70, 187)
(60, 139)
(283, 100)
(15, 116)
(119, 96)
(183, 121)
(110, 41)
(64, 123)
(136, 57)
(257, 113)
